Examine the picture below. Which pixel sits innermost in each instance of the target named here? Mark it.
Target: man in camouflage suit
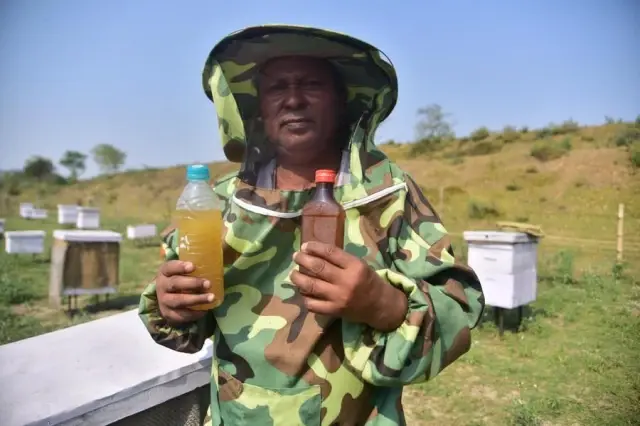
(391, 309)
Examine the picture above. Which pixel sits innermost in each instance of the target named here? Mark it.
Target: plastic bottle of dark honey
(322, 217)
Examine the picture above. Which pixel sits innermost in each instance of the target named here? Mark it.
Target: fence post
(620, 231)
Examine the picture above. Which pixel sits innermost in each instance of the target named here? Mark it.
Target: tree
(39, 168)
(75, 162)
(108, 157)
(434, 124)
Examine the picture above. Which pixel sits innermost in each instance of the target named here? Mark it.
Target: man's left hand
(340, 284)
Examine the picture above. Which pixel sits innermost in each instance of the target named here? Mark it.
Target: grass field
(575, 360)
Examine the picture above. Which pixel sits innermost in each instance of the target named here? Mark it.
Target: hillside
(565, 178)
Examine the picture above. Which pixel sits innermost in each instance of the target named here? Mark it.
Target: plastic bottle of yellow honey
(199, 220)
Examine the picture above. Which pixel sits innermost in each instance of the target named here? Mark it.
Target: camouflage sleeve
(445, 301)
(189, 338)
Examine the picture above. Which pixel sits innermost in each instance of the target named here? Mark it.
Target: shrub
(480, 134)
(480, 210)
(634, 156)
(580, 183)
(627, 136)
(14, 191)
(451, 191)
(566, 144)
(550, 150)
(112, 197)
(544, 133)
(425, 146)
(13, 293)
(483, 148)
(60, 180)
(546, 152)
(513, 187)
(568, 126)
(510, 134)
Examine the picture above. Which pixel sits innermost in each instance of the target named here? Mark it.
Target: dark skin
(300, 107)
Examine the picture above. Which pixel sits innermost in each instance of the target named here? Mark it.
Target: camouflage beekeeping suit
(276, 363)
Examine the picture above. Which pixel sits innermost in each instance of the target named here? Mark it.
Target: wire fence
(609, 233)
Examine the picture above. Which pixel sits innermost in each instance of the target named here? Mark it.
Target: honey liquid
(323, 219)
(200, 233)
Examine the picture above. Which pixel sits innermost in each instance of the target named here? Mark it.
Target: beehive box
(67, 214)
(84, 262)
(88, 218)
(135, 232)
(21, 242)
(38, 214)
(25, 209)
(506, 264)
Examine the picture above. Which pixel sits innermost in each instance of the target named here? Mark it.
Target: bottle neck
(323, 190)
(325, 186)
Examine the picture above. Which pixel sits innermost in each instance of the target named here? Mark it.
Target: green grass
(574, 362)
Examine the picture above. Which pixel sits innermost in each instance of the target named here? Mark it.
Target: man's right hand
(177, 292)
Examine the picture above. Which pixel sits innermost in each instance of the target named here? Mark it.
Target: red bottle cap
(325, 176)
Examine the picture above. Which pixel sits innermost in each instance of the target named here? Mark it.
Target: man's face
(299, 106)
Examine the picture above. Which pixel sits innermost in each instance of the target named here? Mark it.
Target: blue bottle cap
(198, 172)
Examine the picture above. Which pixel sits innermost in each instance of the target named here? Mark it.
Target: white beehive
(25, 210)
(135, 232)
(88, 218)
(506, 264)
(39, 214)
(17, 242)
(67, 214)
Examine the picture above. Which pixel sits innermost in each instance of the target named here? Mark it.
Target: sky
(74, 73)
